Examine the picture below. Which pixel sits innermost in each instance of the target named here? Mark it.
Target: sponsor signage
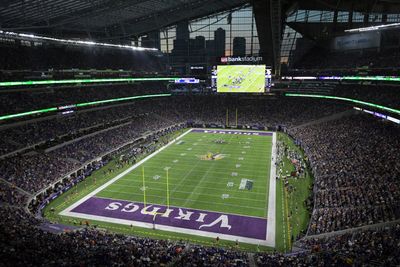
(357, 41)
(187, 80)
(379, 115)
(240, 59)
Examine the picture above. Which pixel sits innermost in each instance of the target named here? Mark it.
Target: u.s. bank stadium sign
(240, 59)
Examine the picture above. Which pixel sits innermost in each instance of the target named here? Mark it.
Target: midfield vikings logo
(211, 156)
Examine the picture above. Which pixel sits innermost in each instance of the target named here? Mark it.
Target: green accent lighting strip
(372, 78)
(40, 111)
(45, 82)
(347, 100)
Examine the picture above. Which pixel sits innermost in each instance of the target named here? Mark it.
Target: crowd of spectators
(378, 247)
(34, 170)
(212, 256)
(257, 112)
(353, 185)
(356, 167)
(10, 195)
(24, 243)
(47, 56)
(21, 100)
(387, 95)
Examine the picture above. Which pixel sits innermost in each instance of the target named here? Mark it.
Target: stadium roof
(373, 6)
(104, 18)
(121, 19)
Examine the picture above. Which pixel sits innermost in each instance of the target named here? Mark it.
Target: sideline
(271, 226)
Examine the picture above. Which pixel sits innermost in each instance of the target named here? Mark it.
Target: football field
(241, 79)
(213, 183)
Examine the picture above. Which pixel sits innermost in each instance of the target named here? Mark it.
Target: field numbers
(225, 196)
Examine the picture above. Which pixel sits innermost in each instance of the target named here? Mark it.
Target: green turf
(253, 79)
(101, 177)
(292, 203)
(201, 184)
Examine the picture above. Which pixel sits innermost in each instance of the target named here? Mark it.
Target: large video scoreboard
(241, 78)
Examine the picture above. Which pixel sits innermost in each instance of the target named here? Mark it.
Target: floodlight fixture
(73, 42)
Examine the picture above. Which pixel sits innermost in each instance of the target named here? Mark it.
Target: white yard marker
(234, 174)
(144, 188)
(167, 168)
(230, 184)
(238, 165)
(156, 177)
(175, 161)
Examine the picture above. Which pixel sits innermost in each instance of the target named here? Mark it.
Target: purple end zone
(232, 132)
(207, 221)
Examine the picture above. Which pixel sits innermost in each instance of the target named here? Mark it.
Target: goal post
(167, 190)
(144, 188)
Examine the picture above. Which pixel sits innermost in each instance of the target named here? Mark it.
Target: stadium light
(41, 111)
(374, 28)
(74, 42)
(43, 82)
(347, 100)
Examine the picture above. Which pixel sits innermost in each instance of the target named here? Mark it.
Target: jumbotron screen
(241, 78)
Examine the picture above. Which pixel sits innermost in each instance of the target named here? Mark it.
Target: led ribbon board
(347, 100)
(343, 78)
(85, 104)
(19, 83)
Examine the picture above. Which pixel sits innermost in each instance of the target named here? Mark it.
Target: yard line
(180, 183)
(202, 179)
(223, 170)
(256, 148)
(200, 201)
(167, 157)
(205, 187)
(191, 192)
